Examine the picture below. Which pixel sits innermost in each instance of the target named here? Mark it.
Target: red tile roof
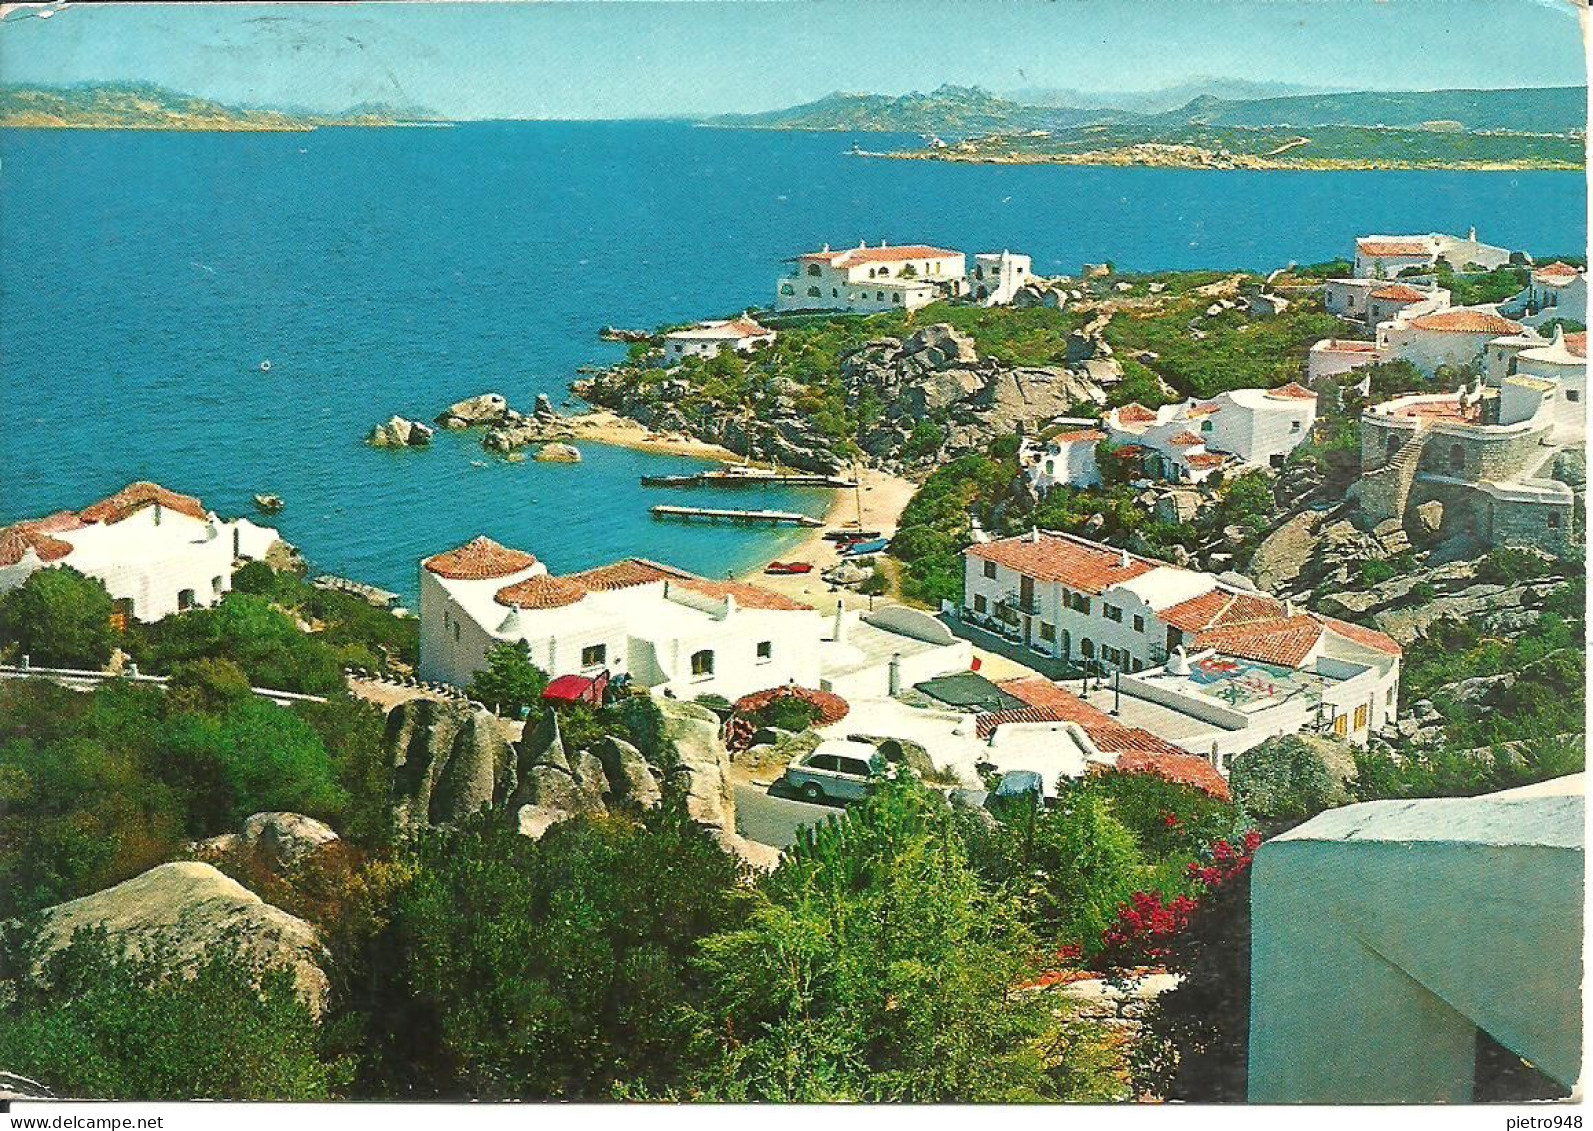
(1557, 270)
(35, 535)
(1205, 459)
(1466, 322)
(1079, 436)
(624, 574)
(1285, 641)
(1399, 292)
(1035, 691)
(1366, 637)
(1221, 608)
(477, 560)
(1349, 345)
(748, 596)
(1577, 343)
(832, 708)
(1135, 413)
(894, 254)
(135, 497)
(1393, 247)
(541, 592)
(1180, 767)
(985, 725)
(1079, 564)
(1293, 391)
(1185, 439)
(1112, 737)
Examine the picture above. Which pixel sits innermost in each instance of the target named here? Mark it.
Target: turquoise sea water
(144, 277)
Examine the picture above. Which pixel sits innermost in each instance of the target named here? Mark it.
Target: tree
(96, 1021)
(873, 967)
(510, 681)
(59, 618)
(505, 968)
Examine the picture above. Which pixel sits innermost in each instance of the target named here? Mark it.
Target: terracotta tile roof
(1079, 564)
(1175, 766)
(1135, 413)
(625, 574)
(1185, 439)
(1399, 292)
(1577, 343)
(1466, 322)
(1079, 436)
(477, 560)
(541, 592)
(1376, 247)
(1221, 608)
(19, 538)
(1034, 691)
(1205, 459)
(1557, 270)
(1204, 408)
(1293, 391)
(1349, 345)
(734, 328)
(1285, 641)
(748, 596)
(1366, 637)
(135, 497)
(985, 725)
(893, 254)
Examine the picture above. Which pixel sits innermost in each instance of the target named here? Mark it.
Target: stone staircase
(1384, 493)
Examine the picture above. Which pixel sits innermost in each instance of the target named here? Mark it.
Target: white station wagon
(836, 769)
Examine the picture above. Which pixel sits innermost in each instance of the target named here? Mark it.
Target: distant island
(1534, 128)
(144, 106)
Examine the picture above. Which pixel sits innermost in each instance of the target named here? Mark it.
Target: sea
(145, 277)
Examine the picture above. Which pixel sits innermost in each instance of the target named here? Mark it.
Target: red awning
(570, 689)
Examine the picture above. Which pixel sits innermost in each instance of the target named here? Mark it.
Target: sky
(636, 58)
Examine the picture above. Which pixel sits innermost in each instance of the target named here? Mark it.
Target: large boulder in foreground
(450, 759)
(488, 408)
(194, 908)
(702, 765)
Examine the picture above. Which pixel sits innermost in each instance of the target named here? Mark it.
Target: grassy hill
(1549, 110)
(956, 110)
(145, 106)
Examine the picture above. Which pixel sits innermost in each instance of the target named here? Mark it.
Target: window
(1388, 697)
(1341, 725)
(185, 598)
(456, 632)
(822, 762)
(1139, 624)
(835, 292)
(1554, 520)
(702, 663)
(896, 298)
(679, 348)
(1205, 426)
(787, 289)
(1457, 458)
(990, 570)
(1573, 395)
(852, 766)
(1294, 426)
(879, 296)
(813, 292)
(813, 269)
(1393, 443)
(215, 585)
(765, 651)
(980, 604)
(1047, 632)
(1111, 612)
(593, 655)
(1360, 717)
(1087, 648)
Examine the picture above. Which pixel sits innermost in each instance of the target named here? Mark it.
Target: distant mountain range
(1163, 99)
(962, 111)
(131, 106)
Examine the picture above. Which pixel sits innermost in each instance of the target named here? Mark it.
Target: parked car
(836, 770)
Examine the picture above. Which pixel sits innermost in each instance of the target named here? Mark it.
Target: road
(775, 820)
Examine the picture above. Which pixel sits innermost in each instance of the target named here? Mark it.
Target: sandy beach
(600, 426)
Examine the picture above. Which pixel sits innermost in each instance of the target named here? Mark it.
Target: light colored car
(836, 770)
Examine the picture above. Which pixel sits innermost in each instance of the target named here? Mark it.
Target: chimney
(1123, 560)
(1178, 664)
(1216, 758)
(840, 623)
(1559, 333)
(895, 674)
(730, 606)
(1034, 534)
(1288, 606)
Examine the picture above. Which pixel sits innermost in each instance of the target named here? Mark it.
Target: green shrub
(1285, 778)
(59, 618)
(510, 682)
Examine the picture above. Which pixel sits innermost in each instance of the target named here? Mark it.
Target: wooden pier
(713, 514)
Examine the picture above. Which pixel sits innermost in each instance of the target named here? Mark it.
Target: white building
(1334, 356)
(706, 339)
(1066, 458)
(1456, 336)
(1556, 291)
(1243, 664)
(1564, 362)
(157, 552)
(1347, 298)
(869, 279)
(666, 629)
(996, 277)
(1385, 257)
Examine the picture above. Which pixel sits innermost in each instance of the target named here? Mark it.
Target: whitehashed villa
(1385, 257)
(870, 279)
(1201, 661)
(667, 630)
(1181, 443)
(156, 552)
(707, 339)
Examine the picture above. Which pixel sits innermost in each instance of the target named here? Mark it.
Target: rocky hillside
(904, 403)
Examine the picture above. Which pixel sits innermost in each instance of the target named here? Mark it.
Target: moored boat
(785, 568)
(865, 549)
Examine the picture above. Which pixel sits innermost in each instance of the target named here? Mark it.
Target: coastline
(1110, 159)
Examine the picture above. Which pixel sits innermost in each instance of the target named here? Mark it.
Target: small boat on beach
(845, 536)
(781, 569)
(865, 549)
(268, 504)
